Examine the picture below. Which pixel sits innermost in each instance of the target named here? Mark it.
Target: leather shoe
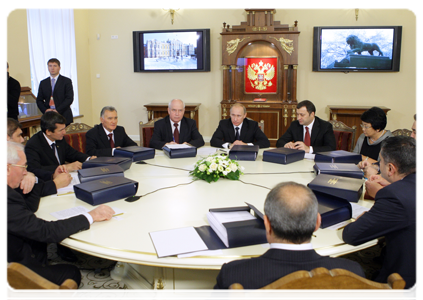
(66, 253)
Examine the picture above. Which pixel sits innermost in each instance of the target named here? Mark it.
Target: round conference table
(171, 198)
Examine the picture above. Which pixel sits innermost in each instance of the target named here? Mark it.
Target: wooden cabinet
(157, 110)
(261, 37)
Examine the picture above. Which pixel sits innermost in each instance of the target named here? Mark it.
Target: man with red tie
(308, 132)
(175, 128)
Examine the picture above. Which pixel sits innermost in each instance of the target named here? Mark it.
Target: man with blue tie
(308, 132)
(55, 93)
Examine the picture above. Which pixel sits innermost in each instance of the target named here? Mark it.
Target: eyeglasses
(20, 166)
(365, 127)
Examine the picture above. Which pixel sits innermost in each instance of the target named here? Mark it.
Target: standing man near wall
(56, 92)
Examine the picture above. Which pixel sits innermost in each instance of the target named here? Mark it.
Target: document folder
(239, 233)
(338, 156)
(244, 152)
(171, 152)
(332, 209)
(346, 188)
(89, 174)
(345, 170)
(105, 190)
(123, 162)
(283, 155)
(135, 153)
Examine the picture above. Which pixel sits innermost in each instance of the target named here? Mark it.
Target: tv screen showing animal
(356, 48)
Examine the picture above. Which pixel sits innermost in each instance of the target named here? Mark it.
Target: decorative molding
(232, 45)
(286, 44)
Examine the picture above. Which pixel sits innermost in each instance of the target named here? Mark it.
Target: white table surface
(185, 203)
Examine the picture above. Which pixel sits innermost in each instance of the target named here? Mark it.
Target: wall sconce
(356, 14)
(172, 13)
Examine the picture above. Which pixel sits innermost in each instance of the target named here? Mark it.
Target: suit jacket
(255, 273)
(98, 143)
(250, 133)
(188, 133)
(394, 216)
(42, 160)
(62, 95)
(27, 235)
(322, 137)
(13, 94)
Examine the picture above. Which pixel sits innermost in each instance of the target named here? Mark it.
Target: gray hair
(109, 108)
(13, 152)
(170, 103)
(292, 211)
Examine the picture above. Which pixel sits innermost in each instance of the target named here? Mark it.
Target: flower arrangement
(215, 166)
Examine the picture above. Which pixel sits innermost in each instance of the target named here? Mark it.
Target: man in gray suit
(291, 217)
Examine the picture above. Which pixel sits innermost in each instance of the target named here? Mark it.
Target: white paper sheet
(69, 188)
(178, 146)
(177, 241)
(206, 151)
(78, 210)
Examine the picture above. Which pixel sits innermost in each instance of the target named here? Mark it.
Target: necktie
(112, 144)
(54, 147)
(176, 133)
(307, 137)
(53, 83)
(237, 134)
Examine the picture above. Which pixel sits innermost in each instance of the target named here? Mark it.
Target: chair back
(20, 277)
(344, 135)
(146, 132)
(75, 136)
(322, 278)
(404, 132)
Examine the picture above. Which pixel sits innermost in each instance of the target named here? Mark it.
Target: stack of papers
(179, 146)
(217, 219)
(69, 188)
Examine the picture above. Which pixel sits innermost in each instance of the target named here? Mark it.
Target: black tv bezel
(138, 51)
(396, 49)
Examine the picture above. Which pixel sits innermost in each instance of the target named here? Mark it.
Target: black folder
(337, 156)
(123, 162)
(332, 209)
(283, 155)
(135, 153)
(346, 188)
(89, 174)
(244, 152)
(345, 170)
(105, 190)
(180, 152)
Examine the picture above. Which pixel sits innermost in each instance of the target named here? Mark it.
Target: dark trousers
(57, 273)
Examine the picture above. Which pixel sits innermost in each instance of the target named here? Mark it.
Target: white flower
(220, 168)
(233, 167)
(228, 170)
(213, 167)
(209, 159)
(202, 168)
(225, 173)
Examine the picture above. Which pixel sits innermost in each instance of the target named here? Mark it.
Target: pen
(117, 215)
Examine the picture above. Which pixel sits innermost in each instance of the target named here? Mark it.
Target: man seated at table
(27, 235)
(47, 149)
(104, 138)
(308, 132)
(175, 128)
(375, 182)
(291, 217)
(14, 134)
(238, 130)
(394, 213)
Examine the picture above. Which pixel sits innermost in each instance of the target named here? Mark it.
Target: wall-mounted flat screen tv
(185, 50)
(357, 48)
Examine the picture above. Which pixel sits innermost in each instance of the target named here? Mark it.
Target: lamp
(172, 13)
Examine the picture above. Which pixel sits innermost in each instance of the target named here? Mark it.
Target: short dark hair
(50, 119)
(309, 106)
(415, 117)
(12, 126)
(292, 211)
(54, 60)
(401, 152)
(375, 116)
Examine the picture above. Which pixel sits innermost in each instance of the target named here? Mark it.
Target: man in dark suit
(308, 132)
(56, 92)
(47, 150)
(394, 213)
(104, 138)
(238, 130)
(291, 217)
(13, 94)
(175, 128)
(27, 235)
(14, 134)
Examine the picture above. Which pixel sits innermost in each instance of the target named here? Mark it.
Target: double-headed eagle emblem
(260, 75)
